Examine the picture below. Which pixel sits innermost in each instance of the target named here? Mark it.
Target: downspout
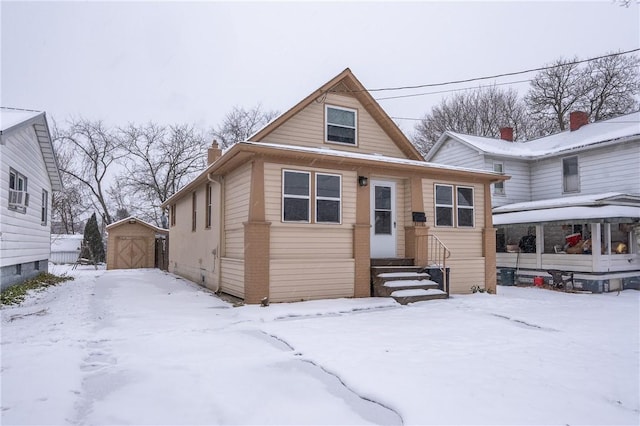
(217, 252)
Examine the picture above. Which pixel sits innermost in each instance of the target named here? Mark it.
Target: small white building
(572, 203)
(28, 175)
(65, 248)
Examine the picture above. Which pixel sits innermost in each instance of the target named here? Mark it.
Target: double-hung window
(296, 196)
(498, 187)
(45, 207)
(18, 195)
(207, 223)
(444, 205)
(328, 195)
(462, 205)
(570, 174)
(341, 125)
(465, 206)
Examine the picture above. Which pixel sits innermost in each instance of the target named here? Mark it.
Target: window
(341, 125)
(382, 211)
(172, 213)
(19, 269)
(444, 205)
(36, 265)
(45, 207)
(208, 216)
(498, 187)
(570, 174)
(18, 196)
(194, 204)
(295, 196)
(328, 196)
(465, 206)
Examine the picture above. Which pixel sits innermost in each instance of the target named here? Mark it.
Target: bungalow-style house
(28, 175)
(572, 204)
(299, 210)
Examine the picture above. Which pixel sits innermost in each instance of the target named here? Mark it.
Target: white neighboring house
(28, 175)
(583, 181)
(65, 248)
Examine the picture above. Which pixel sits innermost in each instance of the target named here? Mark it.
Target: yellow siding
(307, 129)
(466, 261)
(232, 279)
(295, 280)
(273, 196)
(236, 210)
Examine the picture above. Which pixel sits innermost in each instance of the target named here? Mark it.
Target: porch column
(362, 239)
(489, 243)
(257, 240)
(539, 245)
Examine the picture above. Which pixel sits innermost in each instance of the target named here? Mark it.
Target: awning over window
(602, 214)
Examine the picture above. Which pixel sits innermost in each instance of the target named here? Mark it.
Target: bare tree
(479, 112)
(67, 206)
(240, 123)
(555, 92)
(604, 88)
(92, 151)
(159, 161)
(614, 83)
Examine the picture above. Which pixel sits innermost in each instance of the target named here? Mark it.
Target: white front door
(383, 219)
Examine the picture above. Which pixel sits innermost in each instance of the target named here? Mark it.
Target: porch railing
(437, 255)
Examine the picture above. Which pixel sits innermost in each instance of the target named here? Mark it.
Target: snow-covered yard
(144, 347)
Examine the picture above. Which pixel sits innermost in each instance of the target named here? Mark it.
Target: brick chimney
(214, 152)
(578, 119)
(506, 133)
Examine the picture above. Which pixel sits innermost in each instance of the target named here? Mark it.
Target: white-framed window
(498, 187)
(444, 205)
(328, 198)
(341, 125)
(296, 196)
(465, 208)
(207, 223)
(194, 210)
(18, 195)
(462, 205)
(44, 213)
(570, 174)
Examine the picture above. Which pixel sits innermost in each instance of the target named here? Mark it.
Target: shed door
(131, 252)
(383, 219)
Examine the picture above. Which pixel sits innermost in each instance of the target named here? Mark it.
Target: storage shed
(134, 243)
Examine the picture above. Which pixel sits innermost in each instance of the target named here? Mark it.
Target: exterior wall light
(363, 180)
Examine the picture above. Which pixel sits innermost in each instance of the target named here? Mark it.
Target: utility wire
(419, 86)
(451, 90)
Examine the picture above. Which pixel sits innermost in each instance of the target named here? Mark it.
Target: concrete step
(377, 270)
(392, 261)
(384, 288)
(417, 295)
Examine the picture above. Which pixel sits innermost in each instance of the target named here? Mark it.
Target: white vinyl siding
(518, 188)
(454, 153)
(307, 128)
(24, 239)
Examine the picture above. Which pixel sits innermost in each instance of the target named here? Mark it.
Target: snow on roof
(615, 129)
(579, 200)
(11, 117)
(64, 242)
(604, 213)
(132, 220)
(371, 157)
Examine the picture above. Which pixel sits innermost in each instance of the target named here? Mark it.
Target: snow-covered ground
(145, 347)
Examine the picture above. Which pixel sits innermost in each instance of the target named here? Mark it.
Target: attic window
(341, 125)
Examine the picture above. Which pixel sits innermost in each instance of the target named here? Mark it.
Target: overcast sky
(176, 62)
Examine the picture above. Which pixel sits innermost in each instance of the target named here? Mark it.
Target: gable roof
(134, 220)
(347, 83)
(600, 133)
(12, 120)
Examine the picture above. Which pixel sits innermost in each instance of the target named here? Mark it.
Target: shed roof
(12, 119)
(615, 130)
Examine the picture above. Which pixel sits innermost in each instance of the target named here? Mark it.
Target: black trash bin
(507, 276)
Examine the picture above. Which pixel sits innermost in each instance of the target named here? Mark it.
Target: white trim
(564, 187)
(502, 190)
(338, 199)
(436, 205)
(300, 197)
(472, 207)
(326, 125)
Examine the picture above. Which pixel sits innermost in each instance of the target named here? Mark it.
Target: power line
(451, 90)
(468, 80)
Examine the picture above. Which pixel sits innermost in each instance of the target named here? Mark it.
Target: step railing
(437, 255)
